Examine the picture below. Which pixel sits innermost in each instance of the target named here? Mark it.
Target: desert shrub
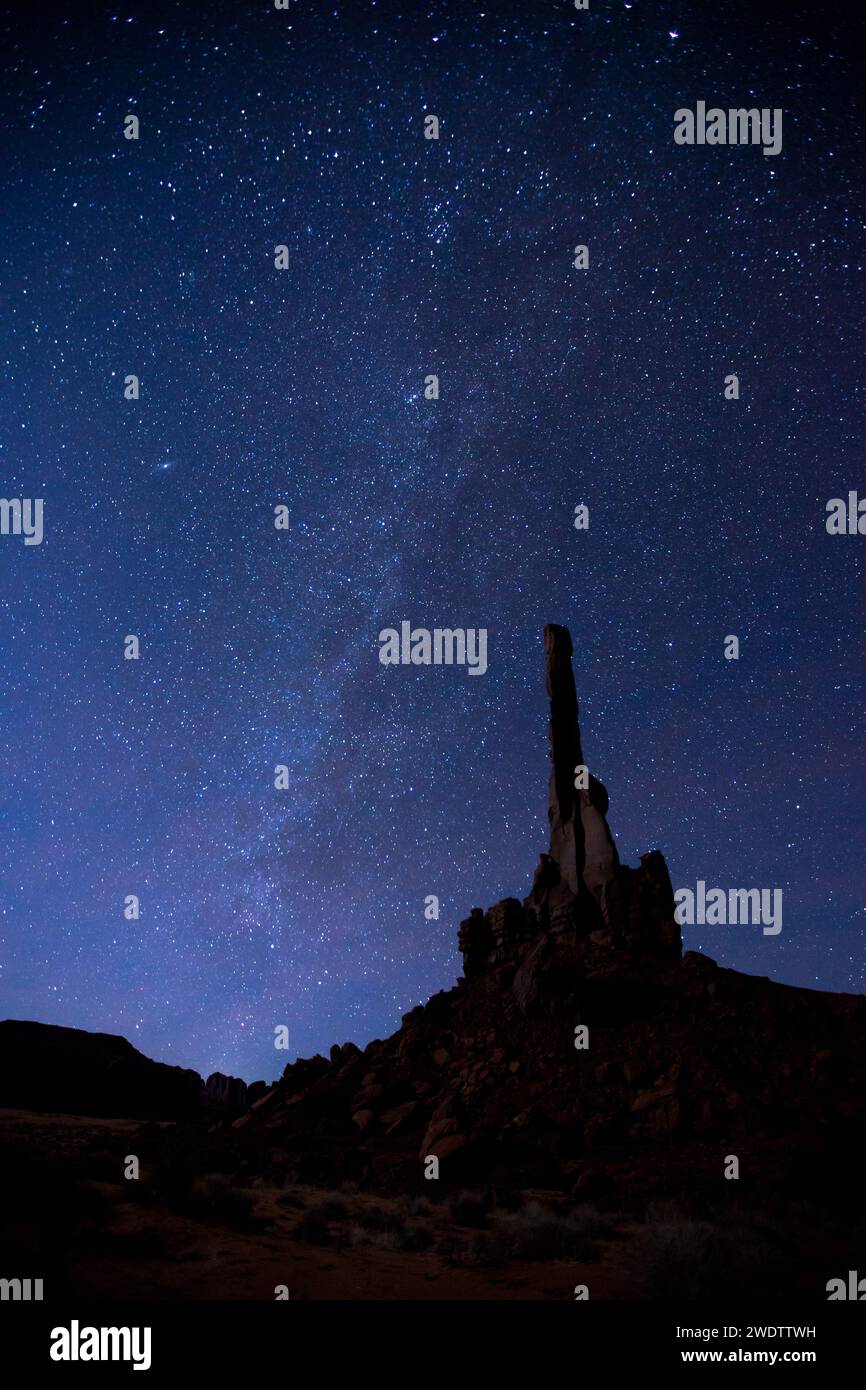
(537, 1232)
(215, 1197)
(332, 1207)
(416, 1206)
(469, 1209)
(380, 1218)
(412, 1239)
(314, 1225)
(358, 1237)
(534, 1232)
(676, 1256)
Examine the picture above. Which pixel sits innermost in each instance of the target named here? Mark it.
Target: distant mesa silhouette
(45, 1067)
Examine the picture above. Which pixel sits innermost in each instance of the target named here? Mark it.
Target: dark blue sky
(303, 387)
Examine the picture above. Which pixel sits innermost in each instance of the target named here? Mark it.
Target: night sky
(304, 387)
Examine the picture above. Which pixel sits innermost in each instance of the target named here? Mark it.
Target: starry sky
(304, 387)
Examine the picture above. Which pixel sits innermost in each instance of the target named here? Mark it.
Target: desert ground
(73, 1218)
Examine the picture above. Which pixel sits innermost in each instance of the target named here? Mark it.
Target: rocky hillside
(685, 1058)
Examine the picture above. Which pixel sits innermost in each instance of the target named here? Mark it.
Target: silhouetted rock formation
(43, 1067)
(583, 902)
(566, 755)
(684, 1062)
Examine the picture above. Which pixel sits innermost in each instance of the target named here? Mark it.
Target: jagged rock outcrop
(582, 901)
(567, 848)
(228, 1091)
(486, 1077)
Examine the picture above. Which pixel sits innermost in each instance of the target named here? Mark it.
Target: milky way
(305, 387)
